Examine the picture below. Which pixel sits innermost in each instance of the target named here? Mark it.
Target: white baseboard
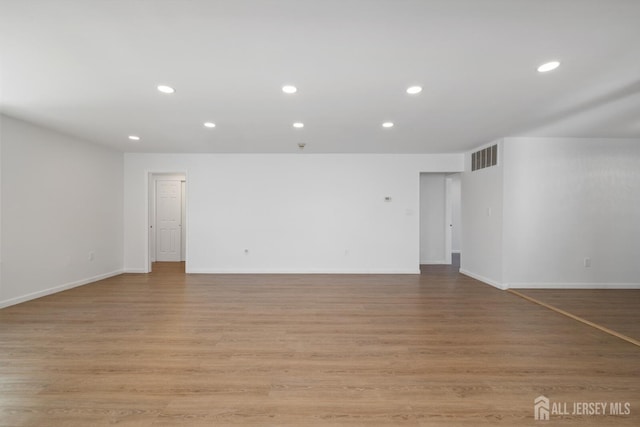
(56, 289)
(504, 286)
(574, 285)
(484, 279)
(276, 271)
(135, 270)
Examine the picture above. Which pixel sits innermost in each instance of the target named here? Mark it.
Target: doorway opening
(440, 202)
(167, 222)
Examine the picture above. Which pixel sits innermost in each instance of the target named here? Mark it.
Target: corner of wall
(482, 216)
(495, 284)
(80, 189)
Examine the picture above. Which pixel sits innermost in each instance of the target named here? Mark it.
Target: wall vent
(484, 158)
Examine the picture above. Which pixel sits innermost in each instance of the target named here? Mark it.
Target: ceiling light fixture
(549, 66)
(166, 89)
(298, 125)
(414, 90)
(289, 89)
(387, 125)
(209, 125)
(134, 137)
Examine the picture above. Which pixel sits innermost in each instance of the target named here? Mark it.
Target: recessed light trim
(166, 89)
(548, 66)
(298, 125)
(289, 89)
(134, 137)
(209, 125)
(414, 90)
(387, 125)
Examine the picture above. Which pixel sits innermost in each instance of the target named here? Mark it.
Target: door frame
(448, 219)
(448, 216)
(150, 189)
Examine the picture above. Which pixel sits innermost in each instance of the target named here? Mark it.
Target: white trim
(455, 251)
(484, 279)
(573, 285)
(149, 177)
(135, 271)
(284, 271)
(440, 262)
(56, 289)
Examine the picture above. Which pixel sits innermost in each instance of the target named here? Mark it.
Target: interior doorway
(167, 219)
(453, 194)
(440, 200)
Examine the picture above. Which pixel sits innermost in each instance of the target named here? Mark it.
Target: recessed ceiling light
(549, 66)
(134, 137)
(166, 89)
(414, 90)
(289, 89)
(387, 125)
(209, 125)
(298, 125)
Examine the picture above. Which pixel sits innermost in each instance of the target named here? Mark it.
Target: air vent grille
(484, 158)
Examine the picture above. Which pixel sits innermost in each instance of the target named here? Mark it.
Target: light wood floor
(616, 309)
(169, 349)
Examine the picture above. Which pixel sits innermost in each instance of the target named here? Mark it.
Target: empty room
(319, 213)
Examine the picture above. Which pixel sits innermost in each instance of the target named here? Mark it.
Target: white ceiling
(90, 68)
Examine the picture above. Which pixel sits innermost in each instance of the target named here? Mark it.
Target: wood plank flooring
(616, 309)
(169, 349)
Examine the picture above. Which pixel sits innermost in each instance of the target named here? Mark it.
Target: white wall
(482, 200)
(553, 203)
(292, 212)
(61, 200)
(1, 138)
(432, 218)
(570, 199)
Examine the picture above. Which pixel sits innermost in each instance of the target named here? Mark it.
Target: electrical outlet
(92, 256)
(246, 251)
(587, 262)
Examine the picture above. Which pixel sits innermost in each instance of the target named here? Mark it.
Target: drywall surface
(482, 200)
(268, 213)
(569, 202)
(62, 212)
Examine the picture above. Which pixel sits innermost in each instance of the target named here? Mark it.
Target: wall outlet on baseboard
(92, 256)
(587, 262)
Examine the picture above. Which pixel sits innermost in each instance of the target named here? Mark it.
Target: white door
(168, 220)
